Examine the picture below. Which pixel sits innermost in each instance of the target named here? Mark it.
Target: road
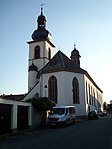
(93, 134)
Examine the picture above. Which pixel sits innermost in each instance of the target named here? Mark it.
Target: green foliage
(42, 103)
(105, 106)
(109, 107)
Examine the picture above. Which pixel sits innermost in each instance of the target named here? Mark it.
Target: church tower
(75, 56)
(40, 50)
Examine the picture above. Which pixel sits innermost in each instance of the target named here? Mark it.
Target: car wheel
(74, 121)
(64, 124)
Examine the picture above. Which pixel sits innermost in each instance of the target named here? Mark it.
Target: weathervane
(74, 45)
(41, 6)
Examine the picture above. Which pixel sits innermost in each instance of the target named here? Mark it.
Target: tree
(105, 106)
(43, 104)
(109, 109)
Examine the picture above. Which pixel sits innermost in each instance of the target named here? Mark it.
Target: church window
(97, 96)
(94, 97)
(89, 95)
(49, 54)
(86, 93)
(52, 87)
(75, 85)
(37, 52)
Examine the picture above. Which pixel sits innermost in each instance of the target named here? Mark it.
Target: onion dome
(75, 52)
(75, 56)
(33, 67)
(41, 32)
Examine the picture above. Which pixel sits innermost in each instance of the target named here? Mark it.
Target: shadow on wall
(38, 118)
(94, 104)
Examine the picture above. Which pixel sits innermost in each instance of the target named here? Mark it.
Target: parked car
(61, 116)
(102, 113)
(93, 115)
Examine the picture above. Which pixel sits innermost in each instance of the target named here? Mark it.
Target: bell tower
(40, 50)
(75, 57)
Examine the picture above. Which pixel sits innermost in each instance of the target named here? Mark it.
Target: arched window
(49, 54)
(89, 96)
(52, 88)
(94, 97)
(86, 93)
(37, 52)
(75, 85)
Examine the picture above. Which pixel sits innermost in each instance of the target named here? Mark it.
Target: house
(14, 115)
(58, 77)
(17, 97)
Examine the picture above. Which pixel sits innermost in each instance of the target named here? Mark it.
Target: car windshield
(58, 110)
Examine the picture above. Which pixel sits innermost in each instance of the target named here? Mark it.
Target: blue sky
(86, 22)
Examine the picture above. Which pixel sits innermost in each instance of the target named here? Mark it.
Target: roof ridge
(62, 60)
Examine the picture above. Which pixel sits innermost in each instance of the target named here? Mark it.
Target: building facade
(58, 77)
(14, 115)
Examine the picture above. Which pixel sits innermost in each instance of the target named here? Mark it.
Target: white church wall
(39, 63)
(64, 84)
(32, 47)
(33, 93)
(94, 94)
(80, 108)
(60, 85)
(44, 48)
(32, 77)
(65, 94)
(47, 45)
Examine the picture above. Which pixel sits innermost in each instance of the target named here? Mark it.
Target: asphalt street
(92, 134)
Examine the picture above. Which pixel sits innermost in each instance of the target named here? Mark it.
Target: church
(59, 77)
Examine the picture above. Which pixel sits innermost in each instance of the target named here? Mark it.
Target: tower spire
(40, 32)
(42, 8)
(74, 45)
(75, 56)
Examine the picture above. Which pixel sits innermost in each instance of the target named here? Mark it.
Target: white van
(61, 115)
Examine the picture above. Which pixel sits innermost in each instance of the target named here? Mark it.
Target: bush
(42, 103)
